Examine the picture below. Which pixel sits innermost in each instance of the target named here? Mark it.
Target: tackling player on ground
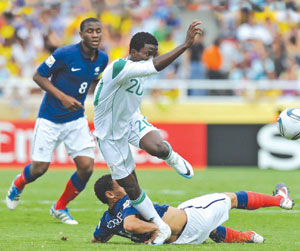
(66, 76)
(192, 222)
(119, 122)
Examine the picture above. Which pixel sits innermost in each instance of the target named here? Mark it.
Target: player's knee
(85, 165)
(233, 199)
(38, 169)
(160, 150)
(86, 170)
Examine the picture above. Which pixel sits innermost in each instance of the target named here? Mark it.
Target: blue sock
(242, 200)
(29, 178)
(78, 183)
(219, 235)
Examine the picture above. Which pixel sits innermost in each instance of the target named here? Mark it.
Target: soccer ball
(289, 123)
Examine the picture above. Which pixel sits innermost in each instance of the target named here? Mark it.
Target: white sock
(173, 158)
(171, 153)
(145, 207)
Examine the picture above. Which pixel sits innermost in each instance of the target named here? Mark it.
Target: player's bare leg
(153, 144)
(144, 205)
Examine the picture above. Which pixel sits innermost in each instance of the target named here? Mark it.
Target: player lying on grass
(192, 222)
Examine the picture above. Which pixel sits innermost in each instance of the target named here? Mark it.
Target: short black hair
(139, 40)
(86, 21)
(102, 185)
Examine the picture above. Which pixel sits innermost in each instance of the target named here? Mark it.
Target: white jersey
(118, 96)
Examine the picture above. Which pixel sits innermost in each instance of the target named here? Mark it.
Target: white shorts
(75, 135)
(204, 214)
(117, 153)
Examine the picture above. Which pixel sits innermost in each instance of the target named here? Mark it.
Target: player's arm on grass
(102, 233)
(135, 225)
(162, 61)
(102, 239)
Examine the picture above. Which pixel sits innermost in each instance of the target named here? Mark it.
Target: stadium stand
(257, 45)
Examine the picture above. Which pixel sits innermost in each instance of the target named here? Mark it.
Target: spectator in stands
(279, 56)
(3, 70)
(293, 43)
(162, 31)
(23, 52)
(194, 64)
(212, 59)
(47, 26)
(262, 67)
(292, 73)
(165, 46)
(252, 30)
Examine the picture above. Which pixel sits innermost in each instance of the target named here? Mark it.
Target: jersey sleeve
(52, 64)
(101, 231)
(125, 69)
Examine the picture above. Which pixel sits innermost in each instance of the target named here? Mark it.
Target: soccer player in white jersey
(118, 121)
(192, 222)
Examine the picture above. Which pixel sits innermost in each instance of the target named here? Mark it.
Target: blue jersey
(72, 72)
(112, 220)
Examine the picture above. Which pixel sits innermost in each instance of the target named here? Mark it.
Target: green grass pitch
(30, 227)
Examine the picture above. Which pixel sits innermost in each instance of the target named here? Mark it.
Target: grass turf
(30, 227)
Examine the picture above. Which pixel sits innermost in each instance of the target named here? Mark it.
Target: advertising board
(16, 139)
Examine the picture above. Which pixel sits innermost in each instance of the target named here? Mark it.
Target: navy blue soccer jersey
(71, 71)
(112, 221)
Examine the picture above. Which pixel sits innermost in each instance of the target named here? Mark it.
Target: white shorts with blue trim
(75, 135)
(117, 153)
(204, 214)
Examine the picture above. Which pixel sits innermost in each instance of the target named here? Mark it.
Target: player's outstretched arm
(162, 61)
(69, 102)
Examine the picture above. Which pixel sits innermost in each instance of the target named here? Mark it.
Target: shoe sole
(279, 186)
(52, 213)
(186, 176)
(7, 201)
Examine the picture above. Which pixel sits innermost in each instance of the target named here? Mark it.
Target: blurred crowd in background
(252, 40)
